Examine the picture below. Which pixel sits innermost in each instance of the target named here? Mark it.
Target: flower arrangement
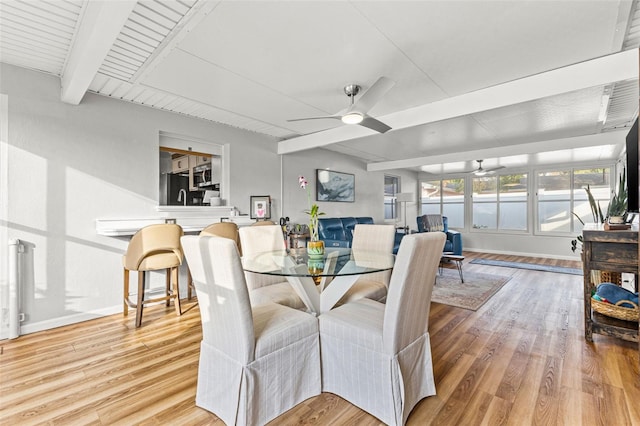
(313, 211)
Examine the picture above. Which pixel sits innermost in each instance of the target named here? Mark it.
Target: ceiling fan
(356, 113)
(480, 171)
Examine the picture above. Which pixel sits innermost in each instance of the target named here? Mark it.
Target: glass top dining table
(320, 281)
(347, 262)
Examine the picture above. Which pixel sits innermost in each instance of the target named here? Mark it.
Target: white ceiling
(513, 82)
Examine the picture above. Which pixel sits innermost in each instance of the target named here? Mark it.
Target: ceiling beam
(101, 24)
(604, 70)
(599, 139)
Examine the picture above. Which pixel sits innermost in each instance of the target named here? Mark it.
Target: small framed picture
(260, 207)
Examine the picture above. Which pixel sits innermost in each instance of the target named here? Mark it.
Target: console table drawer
(614, 253)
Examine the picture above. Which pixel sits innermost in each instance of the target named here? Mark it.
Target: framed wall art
(335, 186)
(260, 207)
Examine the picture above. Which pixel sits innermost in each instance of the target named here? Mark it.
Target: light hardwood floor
(520, 359)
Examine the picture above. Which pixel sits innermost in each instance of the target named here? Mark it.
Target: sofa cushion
(365, 220)
(331, 229)
(338, 232)
(349, 224)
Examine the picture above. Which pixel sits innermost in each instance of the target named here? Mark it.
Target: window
(562, 192)
(598, 181)
(444, 197)
(513, 202)
(485, 202)
(391, 189)
(500, 202)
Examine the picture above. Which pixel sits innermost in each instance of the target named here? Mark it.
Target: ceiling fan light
(479, 173)
(352, 118)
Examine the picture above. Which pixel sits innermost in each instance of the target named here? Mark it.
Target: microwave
(202, 177)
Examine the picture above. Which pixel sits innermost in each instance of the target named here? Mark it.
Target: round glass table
(320, 281)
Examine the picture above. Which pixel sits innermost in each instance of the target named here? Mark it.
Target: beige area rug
(472, 294)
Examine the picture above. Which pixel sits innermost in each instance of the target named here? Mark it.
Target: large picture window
(500, 202)
(561, 193)
(445, 197)
(513, 202)
(485, 202)
(503, 202)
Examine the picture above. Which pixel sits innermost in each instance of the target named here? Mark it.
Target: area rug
(472, 294)
(530, 266)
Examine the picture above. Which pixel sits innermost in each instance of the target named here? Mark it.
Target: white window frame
(441, 203)
(498, 203)
(391, 197)
(576, 227)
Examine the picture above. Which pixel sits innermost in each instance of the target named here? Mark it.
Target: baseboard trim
(68, 320)
(524, 254)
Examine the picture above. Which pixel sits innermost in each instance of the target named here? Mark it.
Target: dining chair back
(372, 239)
(220, 229)
(409, 299)
(260, 239)
(256, 362)
(152, 248)
(376, 238)
(263, 223)
(378, 356)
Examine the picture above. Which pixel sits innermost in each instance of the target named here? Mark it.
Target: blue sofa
(454, 238)
(338, 231)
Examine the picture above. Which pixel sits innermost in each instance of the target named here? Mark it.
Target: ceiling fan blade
(373, 95)
(462, 172)
(374, 124)
(493, 169)
(317, 118)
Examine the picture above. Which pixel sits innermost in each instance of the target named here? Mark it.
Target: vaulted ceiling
(514, 83)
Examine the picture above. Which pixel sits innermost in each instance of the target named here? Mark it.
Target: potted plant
(315, 247)
(617, 211)
(617, 208)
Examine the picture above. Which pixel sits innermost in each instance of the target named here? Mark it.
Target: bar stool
(152, 248)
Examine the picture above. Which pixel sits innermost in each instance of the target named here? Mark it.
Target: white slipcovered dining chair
(378, 356)
(256, 362)
(220, 229)
(376, 239)
(267, 288)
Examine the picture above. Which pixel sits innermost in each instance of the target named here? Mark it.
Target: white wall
(69, 165)
(369, 197)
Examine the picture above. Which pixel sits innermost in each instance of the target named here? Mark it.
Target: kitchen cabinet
(198, 168)
(180, 164)
(202, 159)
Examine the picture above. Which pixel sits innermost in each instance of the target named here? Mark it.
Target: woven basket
(615, 311)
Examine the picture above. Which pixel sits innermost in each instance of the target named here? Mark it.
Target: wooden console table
(615, 251)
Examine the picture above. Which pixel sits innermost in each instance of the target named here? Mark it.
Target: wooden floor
(520, 359)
